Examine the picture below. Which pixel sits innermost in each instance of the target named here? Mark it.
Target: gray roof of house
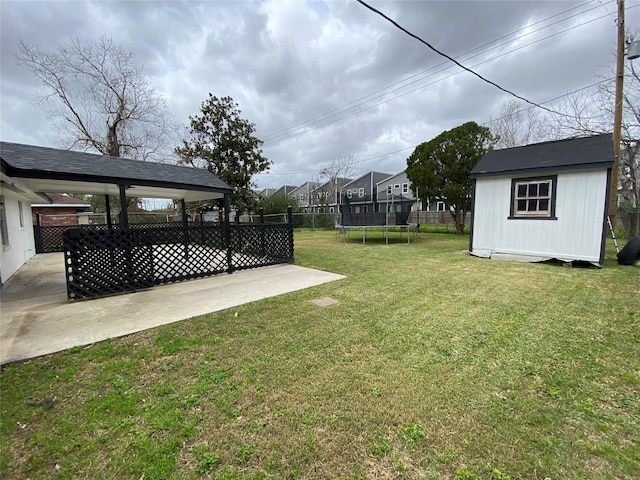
(569, 154)
(376, 176)
(62, 170)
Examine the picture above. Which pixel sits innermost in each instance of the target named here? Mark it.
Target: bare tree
(517, 125)
(344, 166)
(99, 99)
(591, 114)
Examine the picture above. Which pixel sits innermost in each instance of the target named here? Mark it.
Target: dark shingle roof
(568, 154)
(28, 161)
(62, 199)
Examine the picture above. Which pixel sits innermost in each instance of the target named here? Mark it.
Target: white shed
(543, 201)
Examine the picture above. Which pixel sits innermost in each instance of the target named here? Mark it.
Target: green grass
(433, 365)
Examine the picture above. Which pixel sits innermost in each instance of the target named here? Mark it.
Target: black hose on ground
(630, 253)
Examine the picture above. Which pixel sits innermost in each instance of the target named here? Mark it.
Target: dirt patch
(324, 301)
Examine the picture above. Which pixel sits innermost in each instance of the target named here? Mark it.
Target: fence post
(262, 227)
(290, 230)
(227, 234)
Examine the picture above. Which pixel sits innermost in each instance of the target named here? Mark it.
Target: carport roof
(570, 154)
(43, 169)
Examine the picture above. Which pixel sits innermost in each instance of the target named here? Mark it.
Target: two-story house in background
(326, 197)
(360, 195)
(304, 195)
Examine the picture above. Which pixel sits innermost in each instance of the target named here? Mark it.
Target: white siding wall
(21, 243)
(575, 235)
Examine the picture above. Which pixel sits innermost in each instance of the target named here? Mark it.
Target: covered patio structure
(119, 257)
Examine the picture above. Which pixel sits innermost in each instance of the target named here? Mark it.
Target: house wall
(51, 216)
(21, 245)
(575, 235)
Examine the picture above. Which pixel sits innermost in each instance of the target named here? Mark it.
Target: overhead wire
(326, 121)
(403, 82)
(481, 77)
(532, 104)
(488, 122)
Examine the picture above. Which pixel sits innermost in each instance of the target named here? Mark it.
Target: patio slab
(36, 318)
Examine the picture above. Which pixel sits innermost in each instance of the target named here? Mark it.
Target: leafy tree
(224, 143)
(278, 204)
(99, 99)
(439, 169)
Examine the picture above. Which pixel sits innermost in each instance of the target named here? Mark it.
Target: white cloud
(287, 62)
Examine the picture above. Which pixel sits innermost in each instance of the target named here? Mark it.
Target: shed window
(533, 198)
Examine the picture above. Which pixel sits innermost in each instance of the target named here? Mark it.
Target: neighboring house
(543, 201)
(284, 190)
(62, 209)
(267, 192)
(325, 197)
(395, 196)
(360, 195)
(304, 194)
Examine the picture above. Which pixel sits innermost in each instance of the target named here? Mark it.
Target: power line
(311, 125)
(412, 35)
(318, 118)
(327, 120)
(368, 159)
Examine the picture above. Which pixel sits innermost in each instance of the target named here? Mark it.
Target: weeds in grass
(432, 365)
(207, 461)
(412, 433)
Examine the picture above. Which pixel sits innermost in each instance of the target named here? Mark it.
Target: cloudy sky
(323, 80)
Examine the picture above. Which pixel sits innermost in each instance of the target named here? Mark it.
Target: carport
(119, 257)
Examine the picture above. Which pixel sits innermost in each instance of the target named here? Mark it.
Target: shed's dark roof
(568, 154)
(66, 166)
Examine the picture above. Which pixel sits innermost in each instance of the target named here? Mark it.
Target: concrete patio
(37, 319)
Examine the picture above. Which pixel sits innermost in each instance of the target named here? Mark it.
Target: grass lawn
(433, 364)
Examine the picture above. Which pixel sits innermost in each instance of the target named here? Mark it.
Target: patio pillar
(185, 224)
(185, 220)
(38, 236)
(124, 221)
(107, 207)
(226, 209)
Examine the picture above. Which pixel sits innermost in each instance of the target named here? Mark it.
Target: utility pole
(617, 116)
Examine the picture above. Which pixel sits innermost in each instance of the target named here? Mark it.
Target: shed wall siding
(575, 235)
(21, 245)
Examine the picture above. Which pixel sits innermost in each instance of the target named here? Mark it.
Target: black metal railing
(101, 262)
